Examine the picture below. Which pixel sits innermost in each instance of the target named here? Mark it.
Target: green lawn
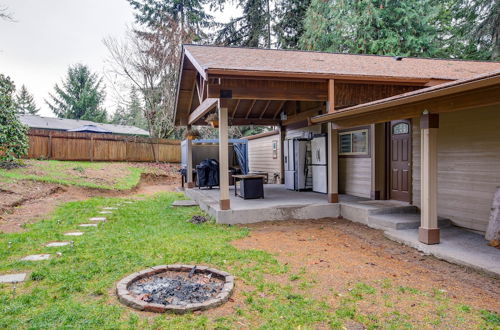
(83, 174)
(76, 290)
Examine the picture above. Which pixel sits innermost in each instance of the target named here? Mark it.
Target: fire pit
(175, 288)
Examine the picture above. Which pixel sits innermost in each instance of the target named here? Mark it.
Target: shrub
(13, 138)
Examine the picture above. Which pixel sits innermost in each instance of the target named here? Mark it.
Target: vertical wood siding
(260, 155)
(468, 165)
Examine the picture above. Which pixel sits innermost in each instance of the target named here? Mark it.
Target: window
(353, 143)
(275, 149)
(401, 128)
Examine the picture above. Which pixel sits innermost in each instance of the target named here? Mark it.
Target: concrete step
(400, 221)
(361, 212)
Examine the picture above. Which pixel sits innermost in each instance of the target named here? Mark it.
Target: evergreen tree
(13, 138)
(25, 103)
(80, 96)
(475, 29)
(290, 22)
(387, 27)
(132, 113)
(252, 29)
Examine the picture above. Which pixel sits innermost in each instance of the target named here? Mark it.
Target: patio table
(251, 186)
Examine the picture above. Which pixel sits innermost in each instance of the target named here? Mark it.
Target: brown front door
(400, 160)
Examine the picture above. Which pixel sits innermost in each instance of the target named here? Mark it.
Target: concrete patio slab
(57, 244)
(98, 219)
(74, 233)
(457, 246)
(13, 278)
(88, 225)
(185, 203)
(36, 257)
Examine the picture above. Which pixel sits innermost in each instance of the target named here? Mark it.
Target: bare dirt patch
(26, 201)
(331, 257)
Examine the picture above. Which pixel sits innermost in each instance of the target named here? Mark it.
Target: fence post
(49, 146)
(92, 148)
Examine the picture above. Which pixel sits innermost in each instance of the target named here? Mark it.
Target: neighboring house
(418, 131)
(82, 126)
(264, 154)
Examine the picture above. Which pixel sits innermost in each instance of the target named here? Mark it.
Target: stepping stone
(128, 202)
(88, 224)
(36, 257)
(98, 219)
(185, 203)
(13, 278)
(74, 233)
(105, 212)
(57, 244)
(110, 208)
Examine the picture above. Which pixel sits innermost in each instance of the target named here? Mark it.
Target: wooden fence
(58, 145)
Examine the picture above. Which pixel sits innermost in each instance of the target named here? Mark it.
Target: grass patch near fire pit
(76, 290)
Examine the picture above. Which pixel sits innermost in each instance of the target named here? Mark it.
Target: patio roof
(278, 87)
(481, 90)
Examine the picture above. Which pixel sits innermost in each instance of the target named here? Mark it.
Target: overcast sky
(49, 35)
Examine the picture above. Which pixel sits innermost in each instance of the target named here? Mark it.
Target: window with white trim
(353, 143)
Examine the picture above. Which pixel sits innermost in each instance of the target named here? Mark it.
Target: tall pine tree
(80, 96)
(387, 27)
(25, 103)
(252, 29)
(289, 25)
(132, 113)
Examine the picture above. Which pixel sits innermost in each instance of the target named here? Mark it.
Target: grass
(76, 289)
(73, 173)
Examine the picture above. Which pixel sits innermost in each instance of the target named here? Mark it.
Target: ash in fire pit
(172, 288)
(176, 288)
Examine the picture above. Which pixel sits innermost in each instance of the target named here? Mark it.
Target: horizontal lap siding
(260, 155)
(355, 176)
(468, 165)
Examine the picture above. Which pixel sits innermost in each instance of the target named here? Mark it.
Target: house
(415, 133)
(76, 125)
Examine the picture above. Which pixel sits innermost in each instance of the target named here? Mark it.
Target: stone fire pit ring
(128, 298)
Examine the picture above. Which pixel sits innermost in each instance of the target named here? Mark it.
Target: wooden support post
(377, 149)
(224, 202)
(428, 232)
(333, 165)
(189, 165)
(281, 153)
(331, 96)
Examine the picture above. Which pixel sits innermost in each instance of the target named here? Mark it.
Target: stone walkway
(21, 277)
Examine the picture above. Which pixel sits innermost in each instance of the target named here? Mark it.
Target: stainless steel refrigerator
(298, 169)
(319, 164)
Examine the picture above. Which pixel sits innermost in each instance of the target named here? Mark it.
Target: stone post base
(428, 236)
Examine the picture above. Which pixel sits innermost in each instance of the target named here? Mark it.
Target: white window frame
(351, 133)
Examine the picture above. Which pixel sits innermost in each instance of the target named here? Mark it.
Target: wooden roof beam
(265, 109)
(205, 107)
(250, 109)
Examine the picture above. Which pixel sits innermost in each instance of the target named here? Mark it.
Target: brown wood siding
(46, 144)
(355, 176)
(260, 155)
(468, 165)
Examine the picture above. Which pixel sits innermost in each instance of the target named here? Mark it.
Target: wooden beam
(331, 96)
(235, 108)
(301, 116)
(205, 107)
(268, 90)
(250, 109)
(308, 75)
(333, 165)
(278, 110)
(265, 109)
(254, 121)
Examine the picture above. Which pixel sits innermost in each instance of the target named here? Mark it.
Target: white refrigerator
(319, 164)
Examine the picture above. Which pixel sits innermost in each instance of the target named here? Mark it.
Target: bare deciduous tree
(150, 61)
